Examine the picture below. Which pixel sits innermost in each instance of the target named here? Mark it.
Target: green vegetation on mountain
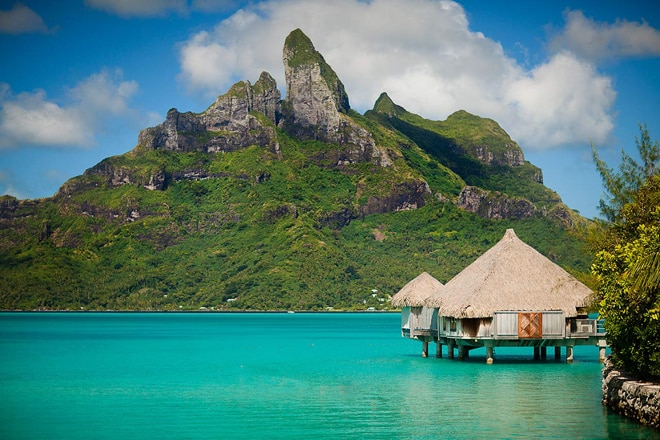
(456, 144)
(248, 206)
(271, 244)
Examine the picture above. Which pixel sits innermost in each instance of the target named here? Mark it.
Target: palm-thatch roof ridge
(512, 276)
(416, 291)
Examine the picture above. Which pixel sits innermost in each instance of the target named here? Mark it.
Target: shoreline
(635, 399)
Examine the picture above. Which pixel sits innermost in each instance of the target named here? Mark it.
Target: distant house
(512, 296)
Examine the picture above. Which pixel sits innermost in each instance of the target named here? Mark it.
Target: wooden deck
(505, 329)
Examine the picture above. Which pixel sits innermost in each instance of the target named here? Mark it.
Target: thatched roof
(437, 299)
(416, 291)
(512, 276)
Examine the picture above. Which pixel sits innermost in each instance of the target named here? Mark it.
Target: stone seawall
(631, 398)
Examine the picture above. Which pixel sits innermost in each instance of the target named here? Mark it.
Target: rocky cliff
(227, 125)
(316, 105)
(316, 108)
(494, 205)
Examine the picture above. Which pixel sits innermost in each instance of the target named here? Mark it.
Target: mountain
(262, 203)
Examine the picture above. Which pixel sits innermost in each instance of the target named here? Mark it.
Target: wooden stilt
(425, 348)
(557, 353)
(537, 353)
(544, 352)
(450, 350)
(438, 349)
(569, 354)
(489, 355)
(461, 352)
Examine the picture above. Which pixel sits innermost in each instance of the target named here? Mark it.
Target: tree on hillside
(620, 186)
(627, 264)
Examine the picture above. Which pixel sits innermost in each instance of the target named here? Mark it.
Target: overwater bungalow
(512, 296)
(415, 318)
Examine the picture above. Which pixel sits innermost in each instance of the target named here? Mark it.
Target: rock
(242, 98)
(336, 220)
(271, 214)
(316, 105)
(114, 175)
(196, 174)
(157, 181)
(46, 230)
(404, 197)
(512, 156)
(10, 206)
(262, 177)
(630, 397)
(314, 93)
(494, 205)
(227, 125)
(266, 97)
(563, 214)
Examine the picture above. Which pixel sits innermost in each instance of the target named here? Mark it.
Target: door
(530, 325)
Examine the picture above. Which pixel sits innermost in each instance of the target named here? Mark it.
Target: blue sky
(80, 79)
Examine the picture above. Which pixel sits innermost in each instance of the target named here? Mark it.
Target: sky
(80, 78)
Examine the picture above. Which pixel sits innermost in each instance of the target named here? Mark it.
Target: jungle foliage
(627, 262)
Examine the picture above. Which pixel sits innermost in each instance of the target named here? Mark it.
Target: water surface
(250, 376)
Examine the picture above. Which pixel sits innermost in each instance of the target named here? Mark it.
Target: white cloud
(421, 52)
(104, 92)
(21, 20)
(558, 102)
(597, 41)
(30, 118)
(206, 62)
(139, 8)
(159, 8)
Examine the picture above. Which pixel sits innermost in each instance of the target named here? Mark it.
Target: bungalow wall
(464, 328)
(476, 327)
(405, 318)
(509, 324)
(434, 321)
(416, 321)
(503, 325)
(446, 326)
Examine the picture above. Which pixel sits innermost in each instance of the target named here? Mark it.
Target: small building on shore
(512, 296)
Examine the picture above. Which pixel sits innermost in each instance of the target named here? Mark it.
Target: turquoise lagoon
(302, 375)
